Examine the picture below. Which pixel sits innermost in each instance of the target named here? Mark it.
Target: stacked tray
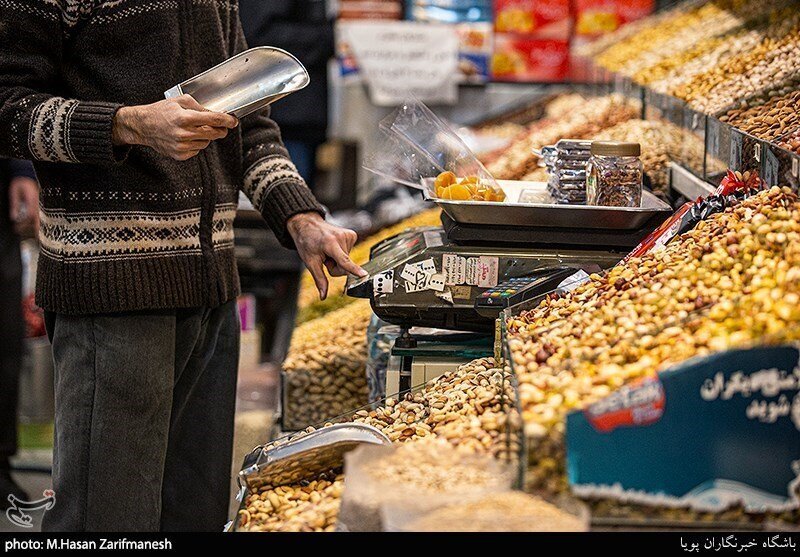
(529, 205)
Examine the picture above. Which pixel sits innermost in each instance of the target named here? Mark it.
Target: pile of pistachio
(472, 408)
(325, 370)
(733, 281)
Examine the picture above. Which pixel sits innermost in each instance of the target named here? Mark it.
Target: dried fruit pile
(469, 188)
(732, 281)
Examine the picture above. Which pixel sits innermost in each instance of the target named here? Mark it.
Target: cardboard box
(449, 11)
(476, 41)
(710, 433)
(370, 9)
(545, 18)
(521, 58)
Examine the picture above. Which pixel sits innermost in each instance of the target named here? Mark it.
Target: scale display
(421, 278)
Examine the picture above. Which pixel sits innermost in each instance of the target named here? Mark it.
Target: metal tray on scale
(543, 211)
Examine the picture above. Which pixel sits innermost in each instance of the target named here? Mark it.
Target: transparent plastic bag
(415, 146)
(422, 475)
(505, 511)
(380, 339)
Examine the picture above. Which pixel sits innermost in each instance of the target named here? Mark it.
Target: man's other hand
(23, 197)
(178, 128)
(323, 245)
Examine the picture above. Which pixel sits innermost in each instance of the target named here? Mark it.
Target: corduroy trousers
(144, 419)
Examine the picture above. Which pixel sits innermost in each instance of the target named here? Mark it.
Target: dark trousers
(144, 419)
(12, 330)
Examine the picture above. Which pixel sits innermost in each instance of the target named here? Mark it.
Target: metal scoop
(246, 82)
(306, 457)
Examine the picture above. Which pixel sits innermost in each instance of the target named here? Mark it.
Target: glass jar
(614, 175)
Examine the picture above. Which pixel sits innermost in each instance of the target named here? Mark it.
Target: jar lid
(616, 149)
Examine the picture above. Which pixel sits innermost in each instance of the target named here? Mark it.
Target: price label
(402, 59)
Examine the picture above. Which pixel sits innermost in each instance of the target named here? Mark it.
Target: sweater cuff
(285, 200)
(90, 133)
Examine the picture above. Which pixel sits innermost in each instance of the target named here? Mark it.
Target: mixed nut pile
(716, 55)
(661, 143)
(732, 281)
(770, 120)
(678, 30)
(309, 506)
(325, 370)
(471, 408)
(584, 121)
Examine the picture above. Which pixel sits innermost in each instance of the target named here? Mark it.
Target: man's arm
(280, 194)
(37, 125)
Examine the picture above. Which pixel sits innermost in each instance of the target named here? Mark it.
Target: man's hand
(23, 197)
(321, 244)
(178, 128)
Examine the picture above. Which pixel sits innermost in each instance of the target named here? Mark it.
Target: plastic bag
(422, 475)
(415, 146)
(507, 511)
(380, 339)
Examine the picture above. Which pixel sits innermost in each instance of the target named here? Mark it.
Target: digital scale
(479, 281)
(488, 256)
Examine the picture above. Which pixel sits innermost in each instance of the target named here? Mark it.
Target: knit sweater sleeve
(35, 122)
(271, 180)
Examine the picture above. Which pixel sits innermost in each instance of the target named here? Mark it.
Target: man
(137, 271)
(302, 27)
(19, 210)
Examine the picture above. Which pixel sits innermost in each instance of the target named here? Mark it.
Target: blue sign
(708, 433)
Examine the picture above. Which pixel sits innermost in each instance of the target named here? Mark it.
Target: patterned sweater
(129, 229)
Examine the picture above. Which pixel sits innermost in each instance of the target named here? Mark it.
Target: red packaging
(597, 17)
(545, 18)
(519, 58)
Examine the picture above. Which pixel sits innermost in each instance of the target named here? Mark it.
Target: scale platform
(590, 238)
(423, 278)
